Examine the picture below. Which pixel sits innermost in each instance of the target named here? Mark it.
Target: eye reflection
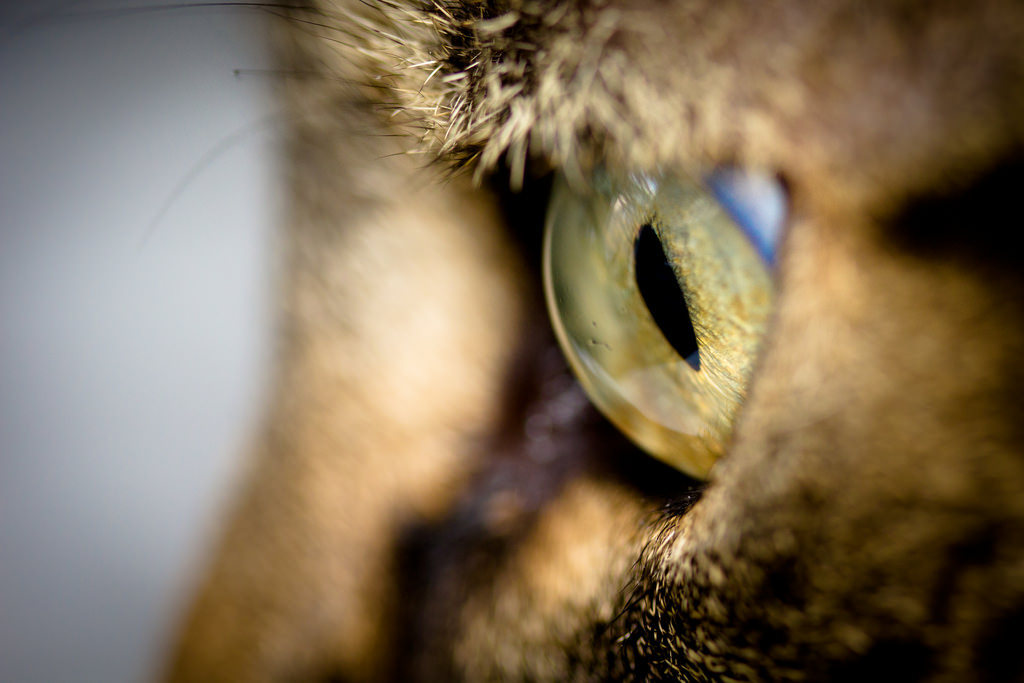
(659, 302)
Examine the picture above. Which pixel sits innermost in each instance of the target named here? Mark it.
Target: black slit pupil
(663, 296)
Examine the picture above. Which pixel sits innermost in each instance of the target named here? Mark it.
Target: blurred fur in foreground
(434, 499)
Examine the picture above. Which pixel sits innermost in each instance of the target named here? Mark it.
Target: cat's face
(867, 516)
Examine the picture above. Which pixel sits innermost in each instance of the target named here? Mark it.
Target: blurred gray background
(136, 261)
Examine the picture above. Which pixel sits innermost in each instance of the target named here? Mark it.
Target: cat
(434, 498)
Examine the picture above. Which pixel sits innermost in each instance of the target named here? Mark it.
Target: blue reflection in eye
(757, 202)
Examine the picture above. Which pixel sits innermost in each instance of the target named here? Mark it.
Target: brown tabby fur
(434, 500)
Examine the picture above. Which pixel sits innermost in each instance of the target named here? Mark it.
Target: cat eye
(659, 289)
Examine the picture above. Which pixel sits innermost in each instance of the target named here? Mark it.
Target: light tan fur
(871, 507)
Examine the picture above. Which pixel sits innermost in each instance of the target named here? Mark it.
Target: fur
(427, 504)
(580, 82)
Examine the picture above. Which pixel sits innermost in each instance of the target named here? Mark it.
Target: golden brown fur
(868, 520)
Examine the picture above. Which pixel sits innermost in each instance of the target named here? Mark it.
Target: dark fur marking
(443, 564)
(974, 223)
(976, 551)
(887, 660)
(999, 652)
(522, 472)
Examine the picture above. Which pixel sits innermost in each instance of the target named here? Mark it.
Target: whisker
(204, 162)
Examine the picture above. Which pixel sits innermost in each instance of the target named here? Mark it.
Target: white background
(136, 261)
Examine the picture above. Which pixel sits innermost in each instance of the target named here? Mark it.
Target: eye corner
(757, 201)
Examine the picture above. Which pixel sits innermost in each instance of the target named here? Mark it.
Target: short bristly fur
(644, 84)
(433, 499)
